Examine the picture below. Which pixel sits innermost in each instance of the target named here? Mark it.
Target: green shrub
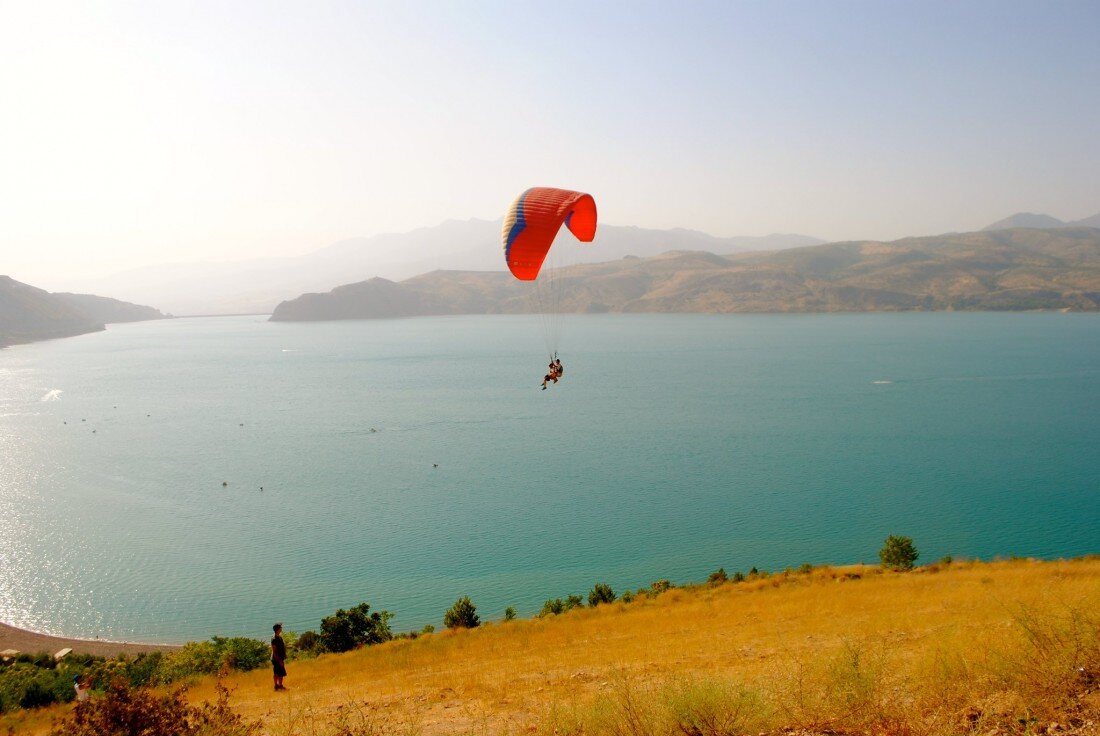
(713, 708)
(898, 553)
(144, 668)
(600, 593)
(510, 614)
(805, 568)
(739, 577)
(37, 694)
(308, 643)
(462, 615)
(244, 654)
(660, 586)
(574, 601)
(345, 630)
(193, 658)
(25, 684)
(627, 597)
(552, 607)
(718, 576)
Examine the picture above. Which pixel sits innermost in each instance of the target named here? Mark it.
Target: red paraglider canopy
(535, 218)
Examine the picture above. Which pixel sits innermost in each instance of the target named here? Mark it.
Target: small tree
(462, 615)
(600, 593)
(510, 613)
(574, 601)
(898, 553)
(718, 576)
(346, 630)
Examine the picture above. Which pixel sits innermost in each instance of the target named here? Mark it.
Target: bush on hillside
(659, 586)
(462, 615)
(574, 601)
(124, 711)
(552, 607)
(144, 669)
(510, 613)
(718, 576)
(345, 630)
(309, 643)
(600, 593)
(898, 553)
(200, 658)
(26, 685)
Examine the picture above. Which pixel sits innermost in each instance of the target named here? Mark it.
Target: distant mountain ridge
(1016, 269)
(1040, 221)
(28, 313)
(256, 286)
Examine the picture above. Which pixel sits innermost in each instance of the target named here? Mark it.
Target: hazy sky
(143, 132)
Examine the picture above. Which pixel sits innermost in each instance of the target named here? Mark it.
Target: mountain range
(1043, 222)
(256, 286)
(28, 313)
(1017, 269)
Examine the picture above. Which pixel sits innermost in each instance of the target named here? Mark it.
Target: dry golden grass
(965, 648)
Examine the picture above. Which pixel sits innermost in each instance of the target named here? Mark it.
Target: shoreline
(32, 642)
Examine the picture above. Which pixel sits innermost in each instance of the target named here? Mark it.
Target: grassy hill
(962, 648)
(1017, 269)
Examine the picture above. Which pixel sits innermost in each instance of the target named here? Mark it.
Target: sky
(140, 133)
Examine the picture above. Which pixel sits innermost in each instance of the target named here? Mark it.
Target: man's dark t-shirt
(278, 648)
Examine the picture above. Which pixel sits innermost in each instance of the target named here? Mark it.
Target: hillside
(110, 311)
(1016, 269)
(961, 648)
(28, 313)
(255, 286)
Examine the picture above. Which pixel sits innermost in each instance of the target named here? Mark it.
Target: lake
(411, 462)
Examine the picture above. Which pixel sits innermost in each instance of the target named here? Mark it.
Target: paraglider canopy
(535, 218)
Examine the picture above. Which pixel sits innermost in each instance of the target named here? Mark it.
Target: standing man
(278, 656)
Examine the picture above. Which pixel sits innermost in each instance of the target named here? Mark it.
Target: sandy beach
(29, 642)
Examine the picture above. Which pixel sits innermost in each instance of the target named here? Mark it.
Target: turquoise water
(675, 444)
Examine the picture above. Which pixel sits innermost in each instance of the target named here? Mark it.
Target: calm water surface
(675, 444)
